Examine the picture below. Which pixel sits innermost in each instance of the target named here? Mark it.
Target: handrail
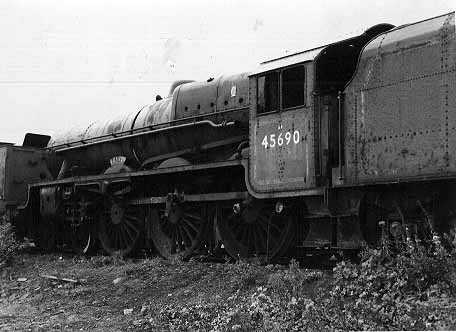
(339, 106)
(190, 124)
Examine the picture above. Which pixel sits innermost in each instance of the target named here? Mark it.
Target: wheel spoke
(181, 238)
(128, 233)
(187, 232)
(192, 216)
(188, 222)
(132, 218)
(128, 224)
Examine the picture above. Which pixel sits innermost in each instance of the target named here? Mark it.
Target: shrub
(286, 301)
(8, 243)
(413, 289)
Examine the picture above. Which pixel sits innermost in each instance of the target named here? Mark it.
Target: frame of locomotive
(307, 157)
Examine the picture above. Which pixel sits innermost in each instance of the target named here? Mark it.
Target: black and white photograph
(227, 165)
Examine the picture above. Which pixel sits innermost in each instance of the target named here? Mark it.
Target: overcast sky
(68, 63)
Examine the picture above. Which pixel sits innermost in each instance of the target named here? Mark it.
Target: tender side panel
(25, 166)
(448, 98)
(400, 105)
(3, 155)
(20, 167)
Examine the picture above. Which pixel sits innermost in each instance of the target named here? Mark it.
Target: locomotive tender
(327, 148)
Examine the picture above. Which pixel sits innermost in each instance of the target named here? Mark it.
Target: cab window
(292, 89)
(293, 86)
(268, 92)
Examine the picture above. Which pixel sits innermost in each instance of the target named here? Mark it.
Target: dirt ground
(108, 294)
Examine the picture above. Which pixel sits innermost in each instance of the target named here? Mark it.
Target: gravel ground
(111, 294)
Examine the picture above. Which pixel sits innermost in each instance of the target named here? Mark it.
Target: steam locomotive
(330, 148)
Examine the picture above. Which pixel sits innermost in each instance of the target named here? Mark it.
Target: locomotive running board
(115, 176)
(211, 197)
(107, 178)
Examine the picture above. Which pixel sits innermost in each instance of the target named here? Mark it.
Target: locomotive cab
(295, 116)
(281, 121)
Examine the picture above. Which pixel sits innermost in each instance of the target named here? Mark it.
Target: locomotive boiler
(209, 116)
(326, 149)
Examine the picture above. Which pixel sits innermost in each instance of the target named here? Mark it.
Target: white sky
(67, 63)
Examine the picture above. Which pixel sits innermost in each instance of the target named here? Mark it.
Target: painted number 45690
(273, 140)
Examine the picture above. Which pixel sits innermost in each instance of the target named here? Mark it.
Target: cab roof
(287, 60)
(312, 54)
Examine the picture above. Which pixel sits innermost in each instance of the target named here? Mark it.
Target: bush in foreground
(8, 243)
(412, 290)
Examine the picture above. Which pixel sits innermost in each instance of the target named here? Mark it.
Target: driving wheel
(177, 229)
(120, 227)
